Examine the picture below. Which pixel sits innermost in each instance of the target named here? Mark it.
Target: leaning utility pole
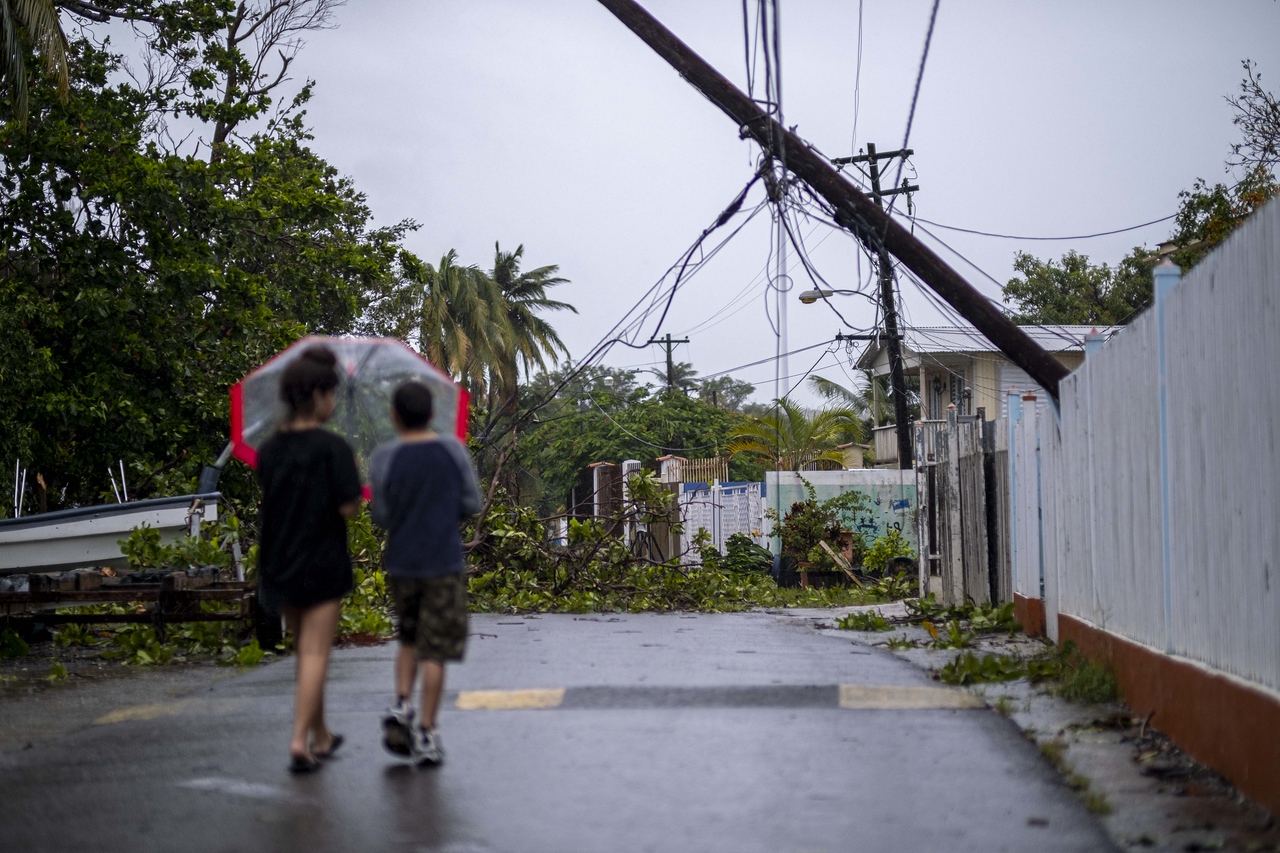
(669, 344)
(889, 301)
(853, 210)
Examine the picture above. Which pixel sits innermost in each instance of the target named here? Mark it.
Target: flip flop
(303, 764)
(338, 740)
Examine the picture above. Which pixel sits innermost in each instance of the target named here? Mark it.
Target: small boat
(90, 536)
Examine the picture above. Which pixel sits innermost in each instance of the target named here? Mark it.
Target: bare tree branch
(488, 501)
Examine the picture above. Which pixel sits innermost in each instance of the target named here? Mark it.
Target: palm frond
(38, 19)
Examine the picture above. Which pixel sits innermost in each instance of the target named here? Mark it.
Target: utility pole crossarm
(863, 158)
(854, 211)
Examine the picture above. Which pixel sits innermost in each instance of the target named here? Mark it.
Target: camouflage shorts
(433, 615)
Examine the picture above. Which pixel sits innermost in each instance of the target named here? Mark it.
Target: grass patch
(1082, 680)
(1097, 803)
(1003, 705)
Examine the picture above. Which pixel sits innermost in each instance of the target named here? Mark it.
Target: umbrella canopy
(370, 370)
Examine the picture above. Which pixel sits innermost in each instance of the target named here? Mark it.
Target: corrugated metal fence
(1149, 504)
(963, 480)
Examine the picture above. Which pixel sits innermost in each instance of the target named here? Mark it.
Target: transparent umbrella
(370, 370)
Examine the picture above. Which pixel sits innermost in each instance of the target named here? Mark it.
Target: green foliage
(899, 644)
(810, 522)
(137, 285)
(952, 636)
(72, 634)
(894, 588)
(793, 438)
(137, 644)
(744, 555)
(864, 620)
(892, 544)
(367, 608)
(57, 672)
(612, 425)
(144, 550)
(1074, 291)
(12, 645)
(515, 569)
(981, 619)
(725, 392)
(968, 668)
(249, 655)
(1074, 677)
(1207, 214)
(984, 620)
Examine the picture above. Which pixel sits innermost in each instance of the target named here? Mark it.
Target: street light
(811, 296)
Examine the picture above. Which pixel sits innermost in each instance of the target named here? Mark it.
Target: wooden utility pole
(669, 344)
(889, 302)
(853, 210)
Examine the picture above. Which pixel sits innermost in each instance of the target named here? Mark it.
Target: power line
(857, 84)
(915, 96)
(644, 441)
(772, 358)
(1016, 237)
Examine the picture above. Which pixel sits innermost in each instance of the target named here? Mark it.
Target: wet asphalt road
(732, 732)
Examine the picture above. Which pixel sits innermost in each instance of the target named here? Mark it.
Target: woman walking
(310, 487)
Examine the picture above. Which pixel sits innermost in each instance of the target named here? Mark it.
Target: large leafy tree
(136, 285)
(793, 439)
(725, 392)
(1075, 291)
(591, 421)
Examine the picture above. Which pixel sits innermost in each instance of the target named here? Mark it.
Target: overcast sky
(549, 124)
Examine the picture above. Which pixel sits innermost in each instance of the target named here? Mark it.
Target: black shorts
(432, 613)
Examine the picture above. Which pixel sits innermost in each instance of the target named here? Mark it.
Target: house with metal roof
(958, 365)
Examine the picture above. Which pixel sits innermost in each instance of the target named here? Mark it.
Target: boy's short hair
(412, 404)
(315, 369)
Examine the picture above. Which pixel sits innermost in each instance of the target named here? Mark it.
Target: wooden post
(853, 210)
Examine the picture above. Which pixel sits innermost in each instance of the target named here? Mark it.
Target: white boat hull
(90, 536)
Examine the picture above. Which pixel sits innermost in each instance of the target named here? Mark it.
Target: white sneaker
(398, 726)
(426, 747)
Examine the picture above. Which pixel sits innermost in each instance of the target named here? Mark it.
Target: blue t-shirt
(421, 491)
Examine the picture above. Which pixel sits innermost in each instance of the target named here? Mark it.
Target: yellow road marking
(893, 698)
(509, 700)
(144, 712)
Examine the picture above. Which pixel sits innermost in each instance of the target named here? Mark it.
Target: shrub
(885, 548)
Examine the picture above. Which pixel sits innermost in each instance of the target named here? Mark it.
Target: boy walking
(423, 486)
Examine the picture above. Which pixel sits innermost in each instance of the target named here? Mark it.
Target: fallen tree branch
(468, 547)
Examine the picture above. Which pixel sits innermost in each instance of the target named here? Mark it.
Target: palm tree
(33, 24)
(792, 439)
(530, 338)
(463, 326)
(864, 401)
(683, 376)
(872, 401)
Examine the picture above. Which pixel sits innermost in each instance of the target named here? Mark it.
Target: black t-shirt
(302, 555)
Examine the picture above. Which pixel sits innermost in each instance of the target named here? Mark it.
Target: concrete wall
(891, 494)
